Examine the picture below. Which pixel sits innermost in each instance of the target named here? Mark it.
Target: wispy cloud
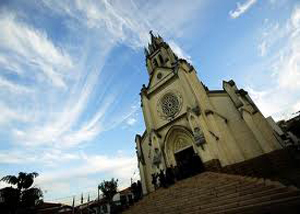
(119, 166)
(129, 22)
(287, 68)
(13, 87)
(119, 23)
(48, 157)
(179, 52)
(74, 98)
(8, 115)
(131, 121)
(241, 8)
(270, 35)
(262, 47)
(15, 157)
(281, 99)
(30, 49)
(62, 127)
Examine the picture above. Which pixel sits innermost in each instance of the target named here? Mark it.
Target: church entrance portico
(180, 152)
(188, 162)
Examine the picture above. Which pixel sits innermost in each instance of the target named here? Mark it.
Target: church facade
(224, 128)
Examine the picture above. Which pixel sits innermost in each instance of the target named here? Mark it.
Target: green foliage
(23, 195)
(11, 198)
(109, 188)
(31, 197)
(23, 181)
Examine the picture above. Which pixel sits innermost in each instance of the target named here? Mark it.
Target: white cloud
(131, 121)
(47, 157)
(281, 98)
(15, 157)
(61, 127)
(130, 22)
(54, 157)
(26, 47)
(267, 39)
(55, 187)
(63, 124)
(10, 65)
(241, 8)
(179, 52)
(273, 102)
(262, 48)
(9, 115)
(288, 63)
(56, 120)
(13, 87)
(131, 116)
(289, 70)
(296, 107)
(125, 24)
(118, 166)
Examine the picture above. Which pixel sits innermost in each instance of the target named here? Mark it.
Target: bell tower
(159, 54)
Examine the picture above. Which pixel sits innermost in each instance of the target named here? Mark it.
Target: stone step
(211, 203)
(215, 193)
(251, 201)
(241, 197)
(218, 191)
(263, 207)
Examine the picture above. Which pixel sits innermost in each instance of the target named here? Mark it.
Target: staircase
(216, 193)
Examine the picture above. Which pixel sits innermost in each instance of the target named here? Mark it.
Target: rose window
(170, 104)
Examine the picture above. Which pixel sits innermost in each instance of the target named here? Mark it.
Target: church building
(187, 124)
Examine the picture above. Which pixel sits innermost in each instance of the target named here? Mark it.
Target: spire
(152, 37)
(156, 43)
(158, 53)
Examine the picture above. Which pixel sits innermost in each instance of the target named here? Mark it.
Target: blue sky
(71, 73)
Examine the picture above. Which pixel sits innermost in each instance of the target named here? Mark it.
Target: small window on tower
(155, 63)
(159, 75)
(160, 59)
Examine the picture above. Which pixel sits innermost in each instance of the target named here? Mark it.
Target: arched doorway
(180, 152)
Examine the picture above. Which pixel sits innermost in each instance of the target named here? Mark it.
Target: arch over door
(177, 139)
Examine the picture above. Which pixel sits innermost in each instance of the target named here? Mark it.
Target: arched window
(160, 59)
(155, 63)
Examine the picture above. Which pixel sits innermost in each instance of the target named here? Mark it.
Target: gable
(159, 76)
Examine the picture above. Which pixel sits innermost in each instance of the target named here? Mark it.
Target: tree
(23, 195)
(10, 197)
(109, 189)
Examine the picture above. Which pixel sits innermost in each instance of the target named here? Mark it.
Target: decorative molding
(169, 105)
(199, 137)
(197, 110)
(209, 111)
(214, 135)
(161, 84)
(172, 121)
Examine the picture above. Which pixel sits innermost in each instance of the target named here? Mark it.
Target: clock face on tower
(169, 105)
